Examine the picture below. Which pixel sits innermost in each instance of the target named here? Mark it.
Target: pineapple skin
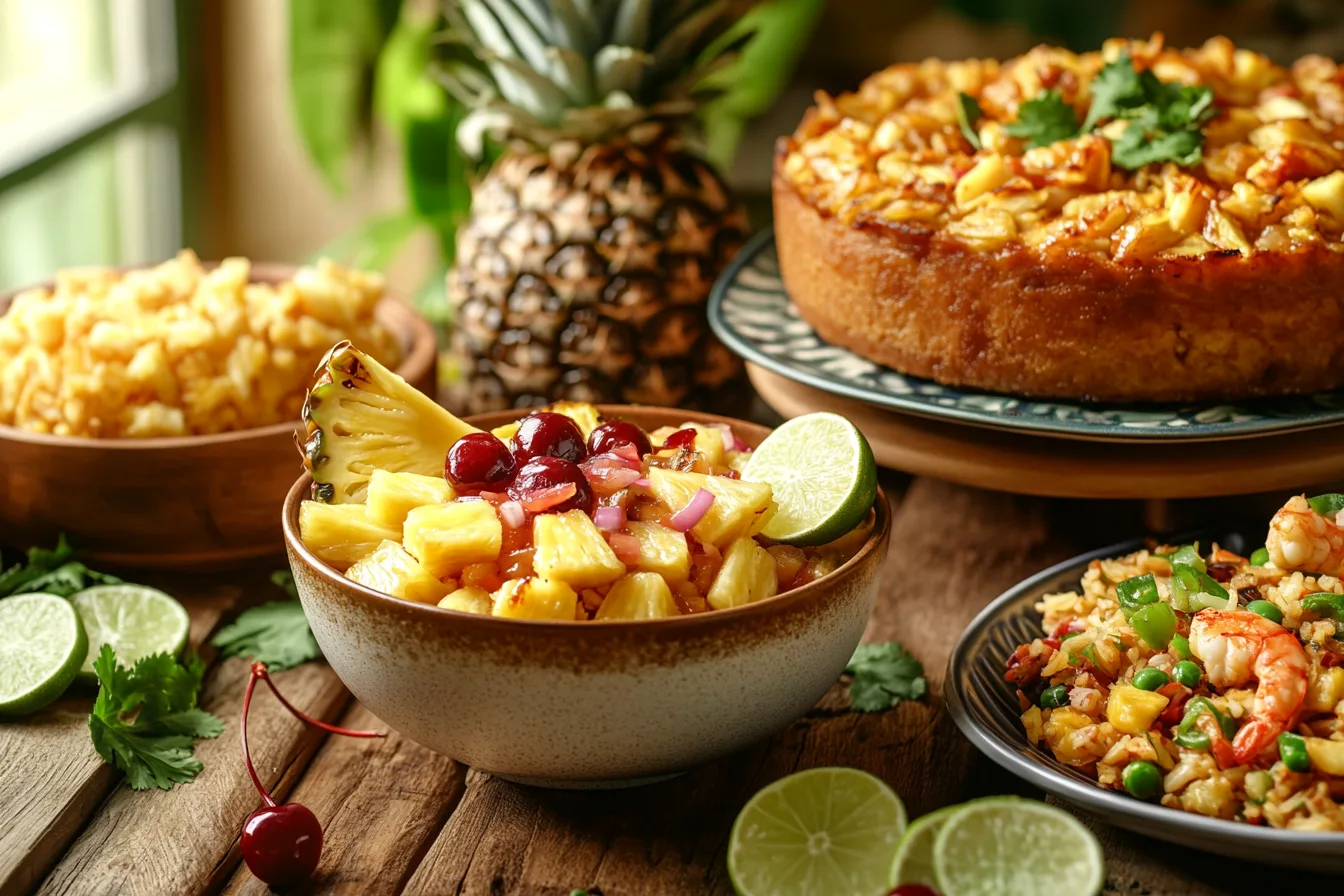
(392, 496)
(747, 575)
(662, 550)
(740, 509)
(392, 570)
(469, 600)
(536, 598)
(642, 595)
(584, 272)
(341, 534)
(448, 537)
(570, 548)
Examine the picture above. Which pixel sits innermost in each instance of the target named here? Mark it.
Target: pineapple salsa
(561, 515)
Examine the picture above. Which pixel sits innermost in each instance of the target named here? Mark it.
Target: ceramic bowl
(589, 704)
(182, 502)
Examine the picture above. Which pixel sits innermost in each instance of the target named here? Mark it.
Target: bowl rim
(418, 361)
(777, 603)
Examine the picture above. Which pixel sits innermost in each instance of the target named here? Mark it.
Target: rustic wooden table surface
(400, 819)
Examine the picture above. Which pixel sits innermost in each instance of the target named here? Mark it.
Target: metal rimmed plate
(750, 311)
(986, 710)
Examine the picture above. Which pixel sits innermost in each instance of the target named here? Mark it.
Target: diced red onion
(626, 452)
(625, 546)
(611, 480)
(513, 515)
(641, 483)
(609, 519)
(495, 498)
(546, 498)
(685, 519)
(730, 439)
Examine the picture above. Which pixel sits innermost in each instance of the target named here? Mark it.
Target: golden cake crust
(1052, 271)
(1073, 325)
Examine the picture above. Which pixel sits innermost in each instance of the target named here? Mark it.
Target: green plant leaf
(437, 174)
(374, 244)
(332, 49)
(432, 299)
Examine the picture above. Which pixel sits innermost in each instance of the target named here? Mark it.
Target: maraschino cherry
(282, 842)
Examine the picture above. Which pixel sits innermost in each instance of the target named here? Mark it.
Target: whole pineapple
(593, 242)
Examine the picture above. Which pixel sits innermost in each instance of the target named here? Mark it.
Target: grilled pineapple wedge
(448, 537)
(643, 595)
(469, 600)
(662, 550)
(747, 575)
(571, 549)
(393, 495)
(362, 417)
(536, 598)
(341, 534)
(740, 509)
(391, 570)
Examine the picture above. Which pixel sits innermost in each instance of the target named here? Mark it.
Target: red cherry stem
(259, 671)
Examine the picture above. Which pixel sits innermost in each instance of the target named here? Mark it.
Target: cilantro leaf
(54, 571)
(1116, 89)
(968, 113)
(1044, 120)
(1137, 147)
(284, 580)
(884, 675)
(145, 720)
(276, 634)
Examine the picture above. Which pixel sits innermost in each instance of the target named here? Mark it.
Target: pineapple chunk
(662, 550)
(1133, 711)
(739, 509)
(1325, 690)
(391, 570)
(709, 442)
(536, 598)
(393, 495)
(1326, 755)
(505, 432)
(571, 549)
(448, 537)
(747, 575)
(340, 534)
(643, 595)
(469, 600)
(581, 412)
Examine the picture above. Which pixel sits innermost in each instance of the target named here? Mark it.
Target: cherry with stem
(282, 842)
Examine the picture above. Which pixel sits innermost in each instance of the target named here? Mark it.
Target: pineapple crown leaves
(544, 70)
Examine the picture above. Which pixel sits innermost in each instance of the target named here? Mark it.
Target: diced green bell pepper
(1135, 593)
(1331, 606)
(1327, 505)
(1188, 555)
(1188, 734)
(1155, 624)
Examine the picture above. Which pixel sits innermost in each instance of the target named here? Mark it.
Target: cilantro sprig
(1044, 120)
(884, 675)
(53, 572)
(275, 633)
(145, 720)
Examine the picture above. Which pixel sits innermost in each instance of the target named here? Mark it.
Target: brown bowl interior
(650, 418)
(183, 502)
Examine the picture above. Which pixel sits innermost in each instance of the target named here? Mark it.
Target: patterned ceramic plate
(986, 710)
(750, 311)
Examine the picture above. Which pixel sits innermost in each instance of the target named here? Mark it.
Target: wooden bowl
(182, 502)
(604, 703)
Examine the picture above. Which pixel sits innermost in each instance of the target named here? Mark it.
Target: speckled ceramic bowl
(589, 704)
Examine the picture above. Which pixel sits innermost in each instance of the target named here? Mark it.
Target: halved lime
(134, 619)
(824, 830)
(823, 476)
(1014, 847)
(913, 863)
(41, 647)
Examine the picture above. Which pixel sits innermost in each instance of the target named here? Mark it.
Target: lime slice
(136, 621)
(825, 830)
(41, 647)
(914, 856)
(823, 476)
(1013, 847)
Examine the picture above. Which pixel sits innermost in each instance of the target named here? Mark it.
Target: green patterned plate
(752, 314)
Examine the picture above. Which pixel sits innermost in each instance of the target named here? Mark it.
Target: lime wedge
(1014, 847)
(41, 647)
(914, 856)
(825, 830)
(134, 619)
(823, 476)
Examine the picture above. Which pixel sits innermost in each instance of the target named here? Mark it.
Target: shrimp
(1300, 538)
(1237, 645)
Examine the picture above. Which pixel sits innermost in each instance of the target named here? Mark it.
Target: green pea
(1055, 697)
(1187, 673)
(1293, 752)
(1266, 609)
(1142, 779)
(1181, 644)
(1260, 557)
(1150, 679)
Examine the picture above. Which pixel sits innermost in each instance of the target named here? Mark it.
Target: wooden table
(399, 818)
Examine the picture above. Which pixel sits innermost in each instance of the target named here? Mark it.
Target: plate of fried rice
(1191, 691)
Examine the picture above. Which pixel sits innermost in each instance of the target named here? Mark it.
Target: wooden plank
(381, 803)
(952, 550)
(184, 841)
(51, 780)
